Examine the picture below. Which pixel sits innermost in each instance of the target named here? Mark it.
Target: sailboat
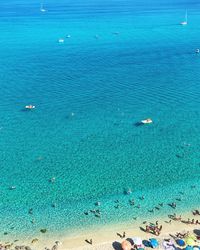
(186, 21)
(42, 9)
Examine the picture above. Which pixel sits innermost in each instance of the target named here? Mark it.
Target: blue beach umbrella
(180, 242)
(189, 248)
(153, 243)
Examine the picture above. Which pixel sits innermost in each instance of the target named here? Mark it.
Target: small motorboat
(12, 187)
(146, 121)
(61, 40)
(197, 51)
(68, 36)
(42, 9)
(183, 23)
(29, 107)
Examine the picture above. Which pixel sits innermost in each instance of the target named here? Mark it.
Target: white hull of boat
(147, 121)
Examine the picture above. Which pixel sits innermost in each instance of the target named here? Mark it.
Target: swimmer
(52, 180)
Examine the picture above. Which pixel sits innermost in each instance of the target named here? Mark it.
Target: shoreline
(103, 237)
(107, 235)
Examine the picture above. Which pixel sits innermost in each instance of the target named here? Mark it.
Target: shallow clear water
(147, 69)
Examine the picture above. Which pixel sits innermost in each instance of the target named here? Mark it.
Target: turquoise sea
(125, 60)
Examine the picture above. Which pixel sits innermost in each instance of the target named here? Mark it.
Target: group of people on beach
(10, 247)
(154, 228)
(175, 217)
(189, 221)
(193, 222)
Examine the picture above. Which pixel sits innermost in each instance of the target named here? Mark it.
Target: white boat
(29, 107)
(185, 22)
(61, 40)
(42, 9)
(197, 51)
(68, 36)
(146, 121)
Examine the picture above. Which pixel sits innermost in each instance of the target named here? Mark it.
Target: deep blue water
(89, 93)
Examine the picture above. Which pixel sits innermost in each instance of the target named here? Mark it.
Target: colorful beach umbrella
(126, 245)
(192, 236)
(190, 241)
(153, 243)
(169, 248)
(137, 241)
(196, 248)
(180, 242)
(168, 245)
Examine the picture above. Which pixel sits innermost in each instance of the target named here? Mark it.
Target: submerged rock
(43, 230)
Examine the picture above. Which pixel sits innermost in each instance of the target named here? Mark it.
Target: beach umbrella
(169, 248)
(153, 243)
(189, 248)
(126, 245)
(180, 242)
(196, 248)
(190, 241)
(192, 236)
(137, 241)
(168, 245)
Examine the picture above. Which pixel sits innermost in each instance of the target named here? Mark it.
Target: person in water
(173, 204)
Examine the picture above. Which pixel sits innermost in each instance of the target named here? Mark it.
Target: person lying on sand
(121, 235)
(180, 235)
(89, 241)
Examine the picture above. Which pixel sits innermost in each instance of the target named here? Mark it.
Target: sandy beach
(106, 237)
